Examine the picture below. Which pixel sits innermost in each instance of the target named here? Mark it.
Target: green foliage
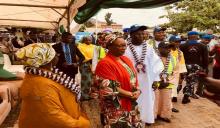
(82, 28)
(108, 19)
(188, 14)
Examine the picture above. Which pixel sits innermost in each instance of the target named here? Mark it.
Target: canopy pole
(67, 11)
(29, 5)
(96, 26)
(29, 20)
(68, 19)
(58, 13)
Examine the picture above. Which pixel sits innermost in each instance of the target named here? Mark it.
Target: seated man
(10, 80)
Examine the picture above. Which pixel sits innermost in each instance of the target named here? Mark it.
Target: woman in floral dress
(117, 87)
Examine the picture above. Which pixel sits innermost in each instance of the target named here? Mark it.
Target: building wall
(100, 27)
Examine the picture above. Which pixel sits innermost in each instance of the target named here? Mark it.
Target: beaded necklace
(58, 77)
(139, 63)
(164, 73)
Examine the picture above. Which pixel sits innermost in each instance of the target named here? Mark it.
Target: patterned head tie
(110, 38)
(36, 55)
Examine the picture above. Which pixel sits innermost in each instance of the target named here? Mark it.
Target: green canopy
(93, 6)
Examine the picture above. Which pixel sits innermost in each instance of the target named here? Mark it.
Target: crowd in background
(135, 75)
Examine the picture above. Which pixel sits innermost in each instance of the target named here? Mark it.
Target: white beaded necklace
(164, 74)
(58, 77)
(139, 63)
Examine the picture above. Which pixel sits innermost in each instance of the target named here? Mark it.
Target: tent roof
(36, 13)
(93, 6)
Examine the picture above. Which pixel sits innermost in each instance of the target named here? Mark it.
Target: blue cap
(136, 27)
(126, 29)
(206, 36)
(158, 29)
(174, 39)
(192, 33)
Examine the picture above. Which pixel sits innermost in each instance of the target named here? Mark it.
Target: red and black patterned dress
(113, 113)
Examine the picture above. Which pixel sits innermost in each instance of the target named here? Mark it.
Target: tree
(82, 28)
(108, 19)
(189, 14)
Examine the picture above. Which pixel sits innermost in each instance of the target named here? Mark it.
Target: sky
(128, 17)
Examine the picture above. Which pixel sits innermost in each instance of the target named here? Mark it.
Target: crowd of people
(135, 76)
(11, 41)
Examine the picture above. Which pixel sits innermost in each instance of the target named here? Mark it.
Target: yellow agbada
(46, 104)
(86, 50)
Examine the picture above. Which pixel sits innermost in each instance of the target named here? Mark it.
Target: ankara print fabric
(113, 115)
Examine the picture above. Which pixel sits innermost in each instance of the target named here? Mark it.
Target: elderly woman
(117, 85)
(49, 97)
(87, 49)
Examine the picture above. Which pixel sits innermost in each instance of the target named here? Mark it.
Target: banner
(93, 6)
(80, 35)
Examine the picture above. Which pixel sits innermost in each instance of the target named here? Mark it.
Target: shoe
(185, 100)
(194, 96)
(164, 119)
(174, 99)
(175, 110)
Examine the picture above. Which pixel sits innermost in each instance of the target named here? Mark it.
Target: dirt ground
(200, 113)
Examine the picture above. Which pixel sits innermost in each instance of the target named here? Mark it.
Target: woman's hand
(132, 95)
(136, 94)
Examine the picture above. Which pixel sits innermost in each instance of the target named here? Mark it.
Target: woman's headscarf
(36, 55)
(86, 37)
(110, 38)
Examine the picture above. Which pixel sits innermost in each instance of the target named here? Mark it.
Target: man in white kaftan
(152, 65)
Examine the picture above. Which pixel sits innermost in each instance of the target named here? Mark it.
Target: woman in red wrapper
(117, 87)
